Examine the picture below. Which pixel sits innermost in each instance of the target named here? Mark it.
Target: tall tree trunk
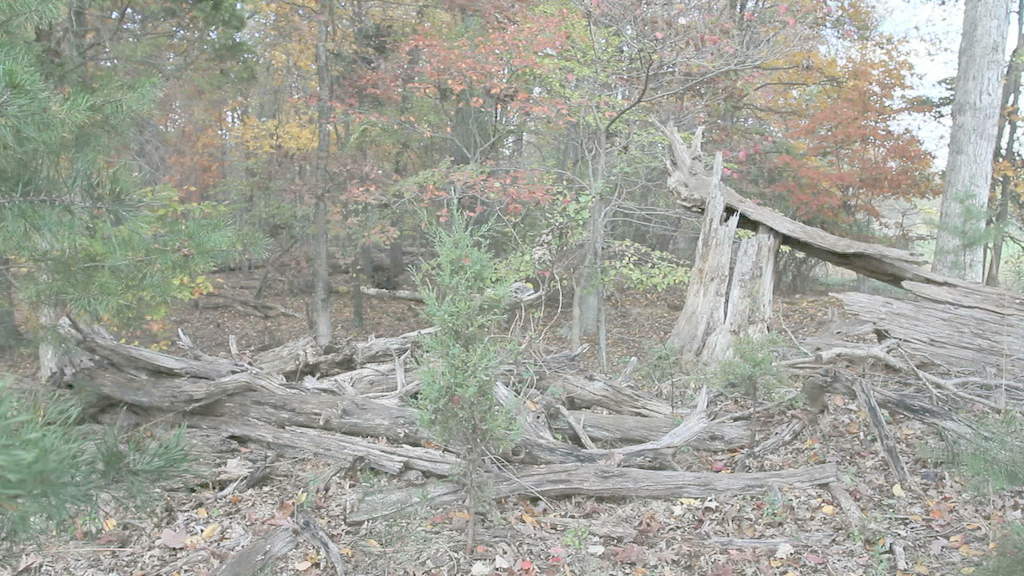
(320, 311)
(588, 286)
(9, 334)
(959, 248)
(1010, 110)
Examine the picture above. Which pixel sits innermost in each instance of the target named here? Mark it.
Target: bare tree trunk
(9, 334)
(729, 295)
(320, 310)
(959, 248)
(1010, 109)
(588, 286)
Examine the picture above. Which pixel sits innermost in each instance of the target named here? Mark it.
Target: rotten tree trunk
(593, 480)
(726, 298)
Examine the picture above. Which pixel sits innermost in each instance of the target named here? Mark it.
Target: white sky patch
(932, 34)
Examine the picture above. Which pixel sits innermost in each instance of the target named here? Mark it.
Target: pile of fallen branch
(352, 404)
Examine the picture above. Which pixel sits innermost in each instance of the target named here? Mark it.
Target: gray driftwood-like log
(262, 552)
(973, 338)
(618, 428)
(579, 391)
(345, 414)
(592, 480)
(142, 360)
(866, 398)
(389, 458)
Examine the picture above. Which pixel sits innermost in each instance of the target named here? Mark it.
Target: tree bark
(1009, 111)
(959, 247)
(593, 480)
(728, 296)
(320, 309)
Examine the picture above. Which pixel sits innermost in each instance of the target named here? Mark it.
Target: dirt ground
(935, 527)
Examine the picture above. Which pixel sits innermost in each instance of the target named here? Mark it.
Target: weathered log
(538, 446)
(591, 480)
(135, 358)
(303, 356)
(866, 398)
(261, 553)
(372, 378)
(971, 338)
(588, 392)
(618, 428)
(345, 414)
(392, 459)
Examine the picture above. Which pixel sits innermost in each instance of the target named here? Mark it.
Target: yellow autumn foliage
(293, 134)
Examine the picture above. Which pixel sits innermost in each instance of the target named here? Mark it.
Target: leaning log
(947, 305)
(592, 480)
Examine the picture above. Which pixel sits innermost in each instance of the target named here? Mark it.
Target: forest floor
(937, 526)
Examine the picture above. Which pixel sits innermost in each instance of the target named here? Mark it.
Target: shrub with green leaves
(51, 472)
(751, 367)
(466, 298)
(637, 267)
(994, 459)
(1009, 554)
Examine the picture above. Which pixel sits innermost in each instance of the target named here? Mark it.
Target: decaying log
(392, 459)
(976, 339)
(135, 358)
(866, 398)
(303, 356)
(618, 428)
(261, 553)
(588, 392)
(591, 480)
(369, 379)
(345, 414)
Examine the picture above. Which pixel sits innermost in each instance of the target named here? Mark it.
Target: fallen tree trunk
(592, 480)
(619, 428)
(973, 338)
(262, 552)
(588, 392)
(389, 458)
